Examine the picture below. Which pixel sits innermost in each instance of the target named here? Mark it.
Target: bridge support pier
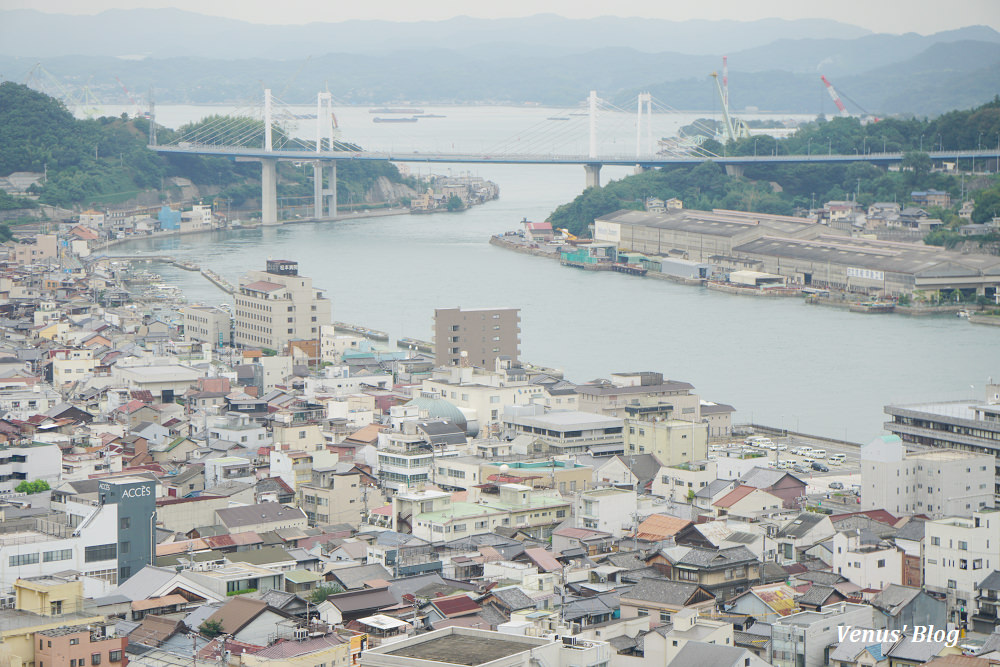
(639, 169)
(330, 192)
(318, 190)
(593, 175)
(735, 170)
(269, 191)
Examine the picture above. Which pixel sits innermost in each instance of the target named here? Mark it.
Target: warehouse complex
(803, 251)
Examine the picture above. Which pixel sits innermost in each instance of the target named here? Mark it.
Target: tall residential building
(959, 553)
(481, 335)
(971, 426)
(278, 305)
(938, 483)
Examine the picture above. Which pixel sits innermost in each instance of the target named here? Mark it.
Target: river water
(778, 361)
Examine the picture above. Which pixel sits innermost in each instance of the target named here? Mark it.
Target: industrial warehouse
(802, 251)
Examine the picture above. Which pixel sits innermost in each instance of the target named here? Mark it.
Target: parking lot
(847, 473)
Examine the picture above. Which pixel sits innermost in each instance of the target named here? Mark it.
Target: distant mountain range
(774, 64)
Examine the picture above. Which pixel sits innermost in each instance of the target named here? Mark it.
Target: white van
(818, 453)
(837, 459)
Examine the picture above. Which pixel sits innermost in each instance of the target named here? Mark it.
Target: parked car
(798, 467)
(836, 485)
(821, 467)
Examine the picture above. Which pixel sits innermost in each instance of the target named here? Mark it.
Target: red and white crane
(836, 98)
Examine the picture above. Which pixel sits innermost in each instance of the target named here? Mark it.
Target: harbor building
(479, 336)
(278, 305)
(802, 251)
(971, 426)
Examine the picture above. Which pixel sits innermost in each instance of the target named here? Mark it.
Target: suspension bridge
(555, 141)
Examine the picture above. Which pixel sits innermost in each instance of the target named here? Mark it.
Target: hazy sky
(894, 16)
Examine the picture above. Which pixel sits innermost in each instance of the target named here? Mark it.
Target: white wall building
(959, 552)
(609, 509)
(944, 482)
(20, 402)
(868, 563)
(29, 462)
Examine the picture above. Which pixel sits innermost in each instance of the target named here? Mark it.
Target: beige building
(207, 324)
(335, 495)
(278, 305)
(484, 393)
(477, 336)
(672, 441)
(44, 247)
(640, 394)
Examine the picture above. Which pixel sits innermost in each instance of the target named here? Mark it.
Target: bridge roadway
(327, 160)
(514, 158)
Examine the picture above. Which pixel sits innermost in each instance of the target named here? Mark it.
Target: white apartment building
(278, 305)
(939, 483)
(484, 392)
(406, 460)
(959, 552)
(71, 365)
(238, 428)
(228, 469)
(29, 462)
(803, 639)
(333, 344)
(20, 402)
(867, 561)
(207, 324)
(609, 509)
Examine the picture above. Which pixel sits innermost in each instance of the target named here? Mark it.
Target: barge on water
(873, 307)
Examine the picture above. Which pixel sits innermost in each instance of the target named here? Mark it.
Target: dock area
(371, 334)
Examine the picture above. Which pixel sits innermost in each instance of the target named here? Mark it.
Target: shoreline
(501, 241)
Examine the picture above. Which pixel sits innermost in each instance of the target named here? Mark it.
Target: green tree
(987, 205)
(918, 163)
(37, 486)
(455, 203)
(321, 593)
(211, 628)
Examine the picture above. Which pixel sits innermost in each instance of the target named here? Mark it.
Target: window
(881, 563)
(60, 554)
(963, 564)
(643, 612)
(23, 559)
(55, 608)
(100, 552)
(963, 546)
(125, 547)
(664, 617)
(952, 583)
(115, 656)
(95, 658)
(936, 541)
(977, 564)
(74, 641)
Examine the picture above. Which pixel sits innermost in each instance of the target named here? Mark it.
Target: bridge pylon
(593, 175)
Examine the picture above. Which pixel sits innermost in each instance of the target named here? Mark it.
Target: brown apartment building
(483, 334)
(80, 646)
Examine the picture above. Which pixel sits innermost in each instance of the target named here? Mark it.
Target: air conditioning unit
(301, 633)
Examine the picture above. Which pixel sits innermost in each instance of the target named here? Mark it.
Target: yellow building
(337, 649)
(672, 441)
(42, 603)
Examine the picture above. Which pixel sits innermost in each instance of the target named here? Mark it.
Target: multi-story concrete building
(20, 402)
(805, 639)
(335, 495)
(609, 509)
(476, 336)
(227, 469)
(111, 540)
(278, 305)
(937, 483)
(971, 426)
(638, 395)
(207, 324)
(436, 517)
(29, 461)
(80, 645)
(866, 560)
(672, 441)
(564, 431)
(959, 553)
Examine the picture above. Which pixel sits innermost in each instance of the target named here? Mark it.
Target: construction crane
(735, 128)
(131, 98)
(836, 98)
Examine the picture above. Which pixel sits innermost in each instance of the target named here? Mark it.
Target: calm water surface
(778, 361)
